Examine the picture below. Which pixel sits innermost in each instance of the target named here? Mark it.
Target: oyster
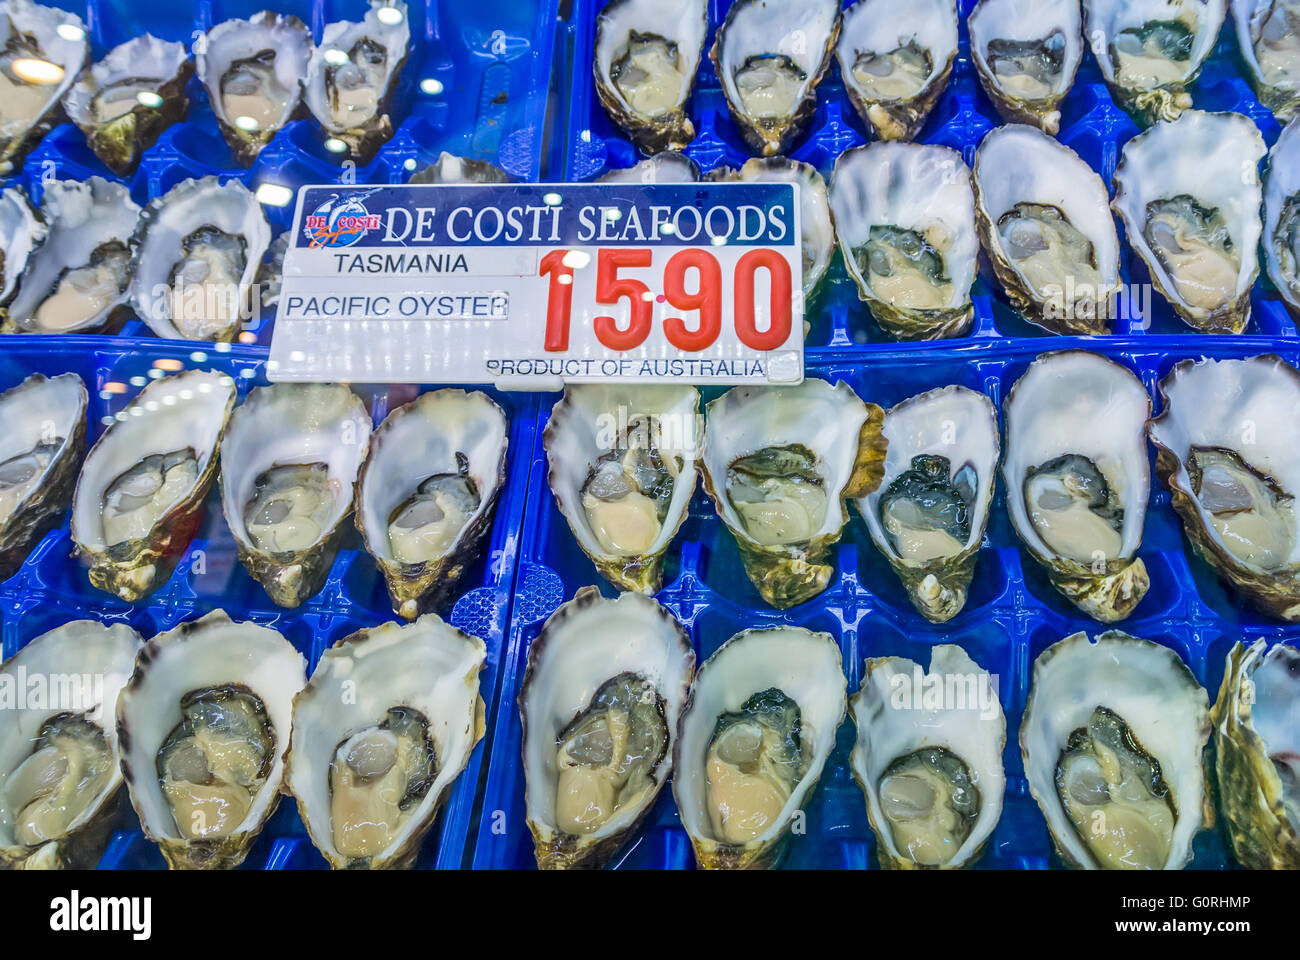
(353, 73)
(770, 57)
(1027, 53)
(427, 492)
(647, 53)
(289, 465)
(600, 702)
(1282, 215)
(1257, 754)
(757, 729)
(622, 469)
(1150, 51)
(1077, 477)
(928, 515)
(1268, 32)
(140, 494)
(76, 282)
(453, 169)
(42, 49)
(59, 773)
(380, 733)
(40, 451)
(197, 252)
(1190, 195)
(666, 167)
(779, 462)
(895, 59)
(1044, 217)
(930, 766)
(1225, 448)
(124, 102)
(253, 72)
(1112, 742)
(203, 724)
(22, 231)
(905, 219)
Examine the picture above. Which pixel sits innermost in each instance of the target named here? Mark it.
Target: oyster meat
(666, 167)
(1268, 32)
(1282, 215)
(1027, 53)
(42, 49)
(600, 701)
(427, 493)
(452, 169)
(1112, 743)
(22, 231)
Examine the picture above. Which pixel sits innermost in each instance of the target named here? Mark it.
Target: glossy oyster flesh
(1027, 53)
(42, 49)
(1268, 33)
(1282, 215)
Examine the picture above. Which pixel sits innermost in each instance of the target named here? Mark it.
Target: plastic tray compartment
(1092, 125)
(52, 588)
(1011, 615)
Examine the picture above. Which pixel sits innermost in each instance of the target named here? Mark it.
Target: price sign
(530, 286)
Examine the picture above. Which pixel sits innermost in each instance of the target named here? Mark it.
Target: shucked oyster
(140, 493)
(427, 493)
(1257, 754)
(895, 59)
(600, 701)
(622, 469)
(905, 220)
(1268, 32)
(125, 101)
(647, 53)
(928, 515)
(928, 757)
(22, 231)
(449, 168)
(779, 462)
(42, 49)
(1077, 477)
(253, 71)
(770, 57)
(1112, 743)
(666, 167)
(59, 772)
(289, 464)
(1190, 195)
(353, 73)
(1282, 215)
(1044, 217)
(76, 282)
(203, 724)
(758, 726)
(1225, 448)
(1027, 53)
(382, 730)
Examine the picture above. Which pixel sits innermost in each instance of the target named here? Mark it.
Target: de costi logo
(340, 221)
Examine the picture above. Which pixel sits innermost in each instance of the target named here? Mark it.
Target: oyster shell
(1027, 53)
(124, 102)
(905, 219)
(353, 73)
(203, 724)
(427, 492)
(1077, 477)
(779, 463)
(1268, 32)
(382, 730)
(289, 465)
(1112, 743)
(1225, 448)
(622, 470)
(22, 231)
(770, 57)
(1257, 754)
(1150, 51)
(76, 282)
(140, 494)
(40, 451)
(647, 53)
(895, 59)
(603, 675)
(930, 767)
(59, 773)
(253, 71)
(666, 167)
(757, 729)
(1282, 215)
(452, 169)
(928, 514)
(1044, 218)
(198, 249)
(42, 49)
(1189, 193)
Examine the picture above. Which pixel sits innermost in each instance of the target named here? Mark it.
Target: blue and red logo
(339, 223)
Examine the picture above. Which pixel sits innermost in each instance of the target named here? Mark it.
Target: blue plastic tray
(842, 326)
(51, 588)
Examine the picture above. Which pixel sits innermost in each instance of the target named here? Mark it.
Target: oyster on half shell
(42, 49)
(1282, 215)
(666, 167)
(449, 168)
(22, 231)
(1268, 33)
(1027, 53)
